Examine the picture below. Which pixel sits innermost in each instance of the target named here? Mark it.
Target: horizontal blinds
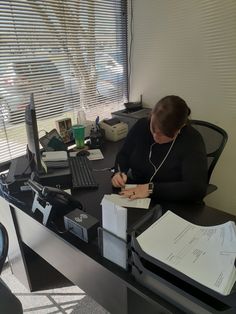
(70, 54)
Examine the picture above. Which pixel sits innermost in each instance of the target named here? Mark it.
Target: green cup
(78, 134)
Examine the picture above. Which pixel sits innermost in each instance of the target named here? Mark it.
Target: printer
(131, 116)
(114, 129)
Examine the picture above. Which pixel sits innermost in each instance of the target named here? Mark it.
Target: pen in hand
(121, 175)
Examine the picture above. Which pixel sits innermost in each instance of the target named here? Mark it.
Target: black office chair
(9, 303)
(3, 246)
(215, 139)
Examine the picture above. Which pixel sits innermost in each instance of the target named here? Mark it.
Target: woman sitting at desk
(164, 155)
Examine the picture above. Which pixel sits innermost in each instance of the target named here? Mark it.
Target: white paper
(95, 154)
(114, 218)
(114, 249)
(205, 254)
(126, 202)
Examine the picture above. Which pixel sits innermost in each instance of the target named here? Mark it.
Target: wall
(188, 48)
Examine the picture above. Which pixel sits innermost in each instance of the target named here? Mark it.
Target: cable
(150, 155)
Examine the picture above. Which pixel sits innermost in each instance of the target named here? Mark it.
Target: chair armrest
(8, 301)
(211, 188)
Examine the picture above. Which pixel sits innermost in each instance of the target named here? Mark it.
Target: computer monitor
(33, 150)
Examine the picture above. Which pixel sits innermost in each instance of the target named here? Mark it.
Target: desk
(108, 284)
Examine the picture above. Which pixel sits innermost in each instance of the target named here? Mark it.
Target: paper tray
(113, 248)
(175, 287)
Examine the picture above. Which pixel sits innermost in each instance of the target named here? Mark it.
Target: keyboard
(82, 176)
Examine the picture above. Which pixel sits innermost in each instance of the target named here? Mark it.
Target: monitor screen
(32, 137)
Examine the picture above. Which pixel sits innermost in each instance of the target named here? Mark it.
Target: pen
(120, 173)
(118, 167)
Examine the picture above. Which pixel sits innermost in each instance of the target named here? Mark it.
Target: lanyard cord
(150, 155)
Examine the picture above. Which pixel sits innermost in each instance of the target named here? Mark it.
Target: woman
(164, 156)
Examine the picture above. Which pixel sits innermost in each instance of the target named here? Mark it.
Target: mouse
(83, 153)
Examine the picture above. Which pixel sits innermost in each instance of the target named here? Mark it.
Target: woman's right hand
(119, 179)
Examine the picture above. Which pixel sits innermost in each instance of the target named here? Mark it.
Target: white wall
(188, 48)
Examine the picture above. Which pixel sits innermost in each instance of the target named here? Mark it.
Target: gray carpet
(66, 300)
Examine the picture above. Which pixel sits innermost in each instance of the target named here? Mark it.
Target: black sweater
(183, 175)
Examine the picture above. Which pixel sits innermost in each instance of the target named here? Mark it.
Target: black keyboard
(82, 176)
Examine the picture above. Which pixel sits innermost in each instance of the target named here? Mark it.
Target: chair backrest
(3, 246)
(214, 138)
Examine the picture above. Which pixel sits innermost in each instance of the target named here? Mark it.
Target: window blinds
(71, 54)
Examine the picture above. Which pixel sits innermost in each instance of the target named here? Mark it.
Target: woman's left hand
(140, 191)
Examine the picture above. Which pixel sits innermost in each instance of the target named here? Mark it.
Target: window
(71, 54)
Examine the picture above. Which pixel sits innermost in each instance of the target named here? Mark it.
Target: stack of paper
(54, 156)
(126, 202)
(205, 254)
(114, 220)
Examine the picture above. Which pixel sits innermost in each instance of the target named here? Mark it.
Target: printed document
(205, 254)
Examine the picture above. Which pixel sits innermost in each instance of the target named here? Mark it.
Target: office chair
(9, 303)
(215, 139)
(3, 246)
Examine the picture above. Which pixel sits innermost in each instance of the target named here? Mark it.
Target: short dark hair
(170, 114)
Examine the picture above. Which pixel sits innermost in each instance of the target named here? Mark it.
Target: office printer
(114, 129)
(131, 116)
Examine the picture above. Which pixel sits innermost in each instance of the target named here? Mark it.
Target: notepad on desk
(204, 254)
(94, 154)
(126, 202)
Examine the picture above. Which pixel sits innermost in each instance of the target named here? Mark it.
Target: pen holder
(96, 138)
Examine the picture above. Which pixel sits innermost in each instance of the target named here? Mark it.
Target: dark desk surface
(91, 199)
(71, 256)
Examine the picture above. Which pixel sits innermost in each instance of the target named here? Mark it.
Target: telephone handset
(52, 202)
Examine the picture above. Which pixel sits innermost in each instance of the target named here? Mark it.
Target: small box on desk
(81, 224)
